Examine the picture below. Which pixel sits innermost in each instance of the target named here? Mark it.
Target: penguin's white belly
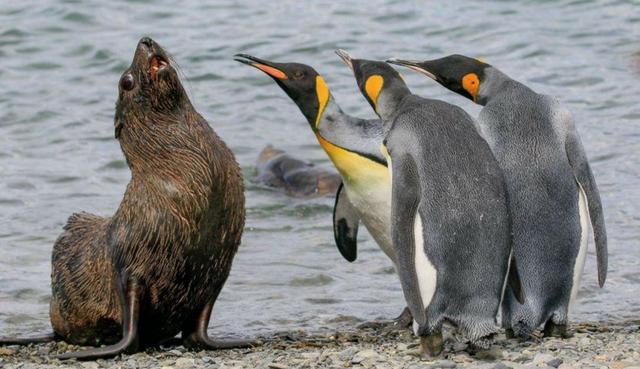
(373, 203)
(425, 271)
(585, 221)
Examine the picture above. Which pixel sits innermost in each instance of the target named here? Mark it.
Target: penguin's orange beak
(264, 65)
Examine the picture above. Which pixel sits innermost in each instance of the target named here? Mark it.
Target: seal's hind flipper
(345, 225)
(515, 283)
(195, 335)
(129, 341)
(6, 341)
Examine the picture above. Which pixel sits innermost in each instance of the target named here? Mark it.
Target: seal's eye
(127, 82)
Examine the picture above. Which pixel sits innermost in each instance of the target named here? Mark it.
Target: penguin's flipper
(405, 199)
(515, 283)
(345, 225)
(584, 177)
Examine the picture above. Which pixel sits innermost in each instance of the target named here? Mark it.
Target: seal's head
(149, 86)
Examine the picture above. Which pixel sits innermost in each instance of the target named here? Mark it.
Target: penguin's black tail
(515, 283)
(7, 341)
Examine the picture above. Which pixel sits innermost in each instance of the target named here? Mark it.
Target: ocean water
(60, 62)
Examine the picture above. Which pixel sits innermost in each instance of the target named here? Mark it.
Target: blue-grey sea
(60, 62)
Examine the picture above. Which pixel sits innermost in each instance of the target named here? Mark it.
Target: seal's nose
(147, 41)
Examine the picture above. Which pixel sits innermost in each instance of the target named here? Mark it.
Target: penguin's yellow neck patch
(355, 169)
(471, 83)
(372, 87)
(385, 152)
(322, 91)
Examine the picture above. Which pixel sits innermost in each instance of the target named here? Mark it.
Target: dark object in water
(275, 168)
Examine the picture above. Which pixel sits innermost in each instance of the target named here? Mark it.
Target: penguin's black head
(458, 73)
(301, 82)
(375, 78)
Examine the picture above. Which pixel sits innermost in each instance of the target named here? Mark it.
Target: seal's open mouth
(156, 64)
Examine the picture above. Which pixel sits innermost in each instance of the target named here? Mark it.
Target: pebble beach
(593, 345)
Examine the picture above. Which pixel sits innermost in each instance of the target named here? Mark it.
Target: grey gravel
(594, 345)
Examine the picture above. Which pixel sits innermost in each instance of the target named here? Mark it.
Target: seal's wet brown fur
(175, 232)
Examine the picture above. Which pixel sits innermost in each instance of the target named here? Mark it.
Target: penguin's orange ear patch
(273, 72)
(373, 86)
(471, 84)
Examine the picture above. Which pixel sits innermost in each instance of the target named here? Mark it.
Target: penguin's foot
(509, 333)
(431, 345)
(404, 320)
(552, 329)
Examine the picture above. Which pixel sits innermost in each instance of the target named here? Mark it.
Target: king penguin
(450, 220)
(352, 144)
(553, 194)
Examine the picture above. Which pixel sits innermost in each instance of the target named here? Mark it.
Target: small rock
(175, 352)
(443, 364)
(522, 359)
(277, 366)
(90, 365)
(492, 354)
(312, 356)
(166, 367)
(184, 363)
(460, 346)
(566, 366)
(620, 365)
(463, 357)
(501, 366)
(542, 359)
(555, 362)
(348, 353)
(364, 355)
(6, 351)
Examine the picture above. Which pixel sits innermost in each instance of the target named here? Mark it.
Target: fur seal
(299, 178)
(155, 268)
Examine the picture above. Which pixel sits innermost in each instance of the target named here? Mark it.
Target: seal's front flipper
(345, 225)
(195, 336)
(129, 342)
(28, 340)
(515, 283)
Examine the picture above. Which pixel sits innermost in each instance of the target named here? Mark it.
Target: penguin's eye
(298, 74)
(127, 82)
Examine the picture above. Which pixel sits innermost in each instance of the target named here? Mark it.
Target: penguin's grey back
(526, 135)
(463, 208)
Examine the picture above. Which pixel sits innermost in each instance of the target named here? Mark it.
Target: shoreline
(593, 345)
